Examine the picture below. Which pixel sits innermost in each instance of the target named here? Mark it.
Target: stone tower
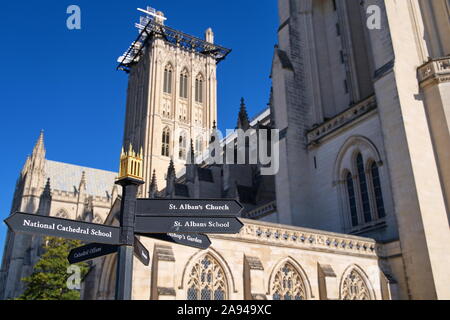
(364, 117)
(171, 95)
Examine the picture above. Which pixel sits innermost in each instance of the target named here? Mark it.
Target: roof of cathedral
(67, 177)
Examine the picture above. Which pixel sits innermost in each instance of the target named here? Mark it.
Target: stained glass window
(352, 200)
(288, 284)
(354, 288)
(377, 190)
(207, 280)
(363, 188)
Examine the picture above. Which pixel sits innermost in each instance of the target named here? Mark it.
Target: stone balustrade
(302, 238)
(344, 118)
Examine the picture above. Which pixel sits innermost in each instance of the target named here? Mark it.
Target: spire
(171, 169)
(191, 167)
(243, 122)
(47, 189)
(209, 35)
(170, 186)
(192, 153)
(83, 182)
(153, 186)
(39, 148)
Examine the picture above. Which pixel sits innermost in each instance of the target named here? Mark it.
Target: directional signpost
(188, 216)
(188, 208)
(176, 221)
(91, 251)
(199, 241)
(141, 252)
(63, 228)
(146, 225)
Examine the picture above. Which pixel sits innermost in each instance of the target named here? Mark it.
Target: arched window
(354, 288)
(352, 200)
(288, 284)
(358, 170)
(363, 188)
(165, 150)
(182, 146)
(207, 281)
(199, 89)
(378, 194)
(168, 79)
(184, 77)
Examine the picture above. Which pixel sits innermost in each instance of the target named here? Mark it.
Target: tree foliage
(49, 278)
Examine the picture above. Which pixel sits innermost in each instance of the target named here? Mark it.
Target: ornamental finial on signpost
(131, 164)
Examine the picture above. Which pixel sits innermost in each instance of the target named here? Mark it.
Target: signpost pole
(130, 179)
(126, 250)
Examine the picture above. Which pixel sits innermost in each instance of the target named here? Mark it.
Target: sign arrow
(198, 241)
(63, 228)
(90, 251)
(141, 252)
(188, 208)
(145, 225)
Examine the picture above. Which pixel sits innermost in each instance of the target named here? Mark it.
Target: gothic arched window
(184, 77)
(352, 199)
(182, 143)
(207, 281)
(288, 284)
(165, 150)
(354, 288)
(363, 188)
(378, 194)
(358, 170)
(168, 79)
(199, 89)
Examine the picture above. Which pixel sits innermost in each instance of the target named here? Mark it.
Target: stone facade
(252, 266)
(54, 189)
(365, 113)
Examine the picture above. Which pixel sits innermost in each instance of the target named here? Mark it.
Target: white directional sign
(199, 241)
(91, 251)
(145, 225)
(188, 208)
(63, 228)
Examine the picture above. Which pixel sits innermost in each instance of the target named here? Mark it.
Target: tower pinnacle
(39, 148)
(243, 122)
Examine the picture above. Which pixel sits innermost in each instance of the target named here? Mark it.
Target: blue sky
(66, 82)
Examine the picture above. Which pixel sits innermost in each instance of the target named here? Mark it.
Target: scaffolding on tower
(150, 26)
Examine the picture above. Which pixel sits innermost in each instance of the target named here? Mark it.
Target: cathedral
(359, 209)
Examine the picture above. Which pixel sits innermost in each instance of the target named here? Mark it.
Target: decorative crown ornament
(131, 165)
